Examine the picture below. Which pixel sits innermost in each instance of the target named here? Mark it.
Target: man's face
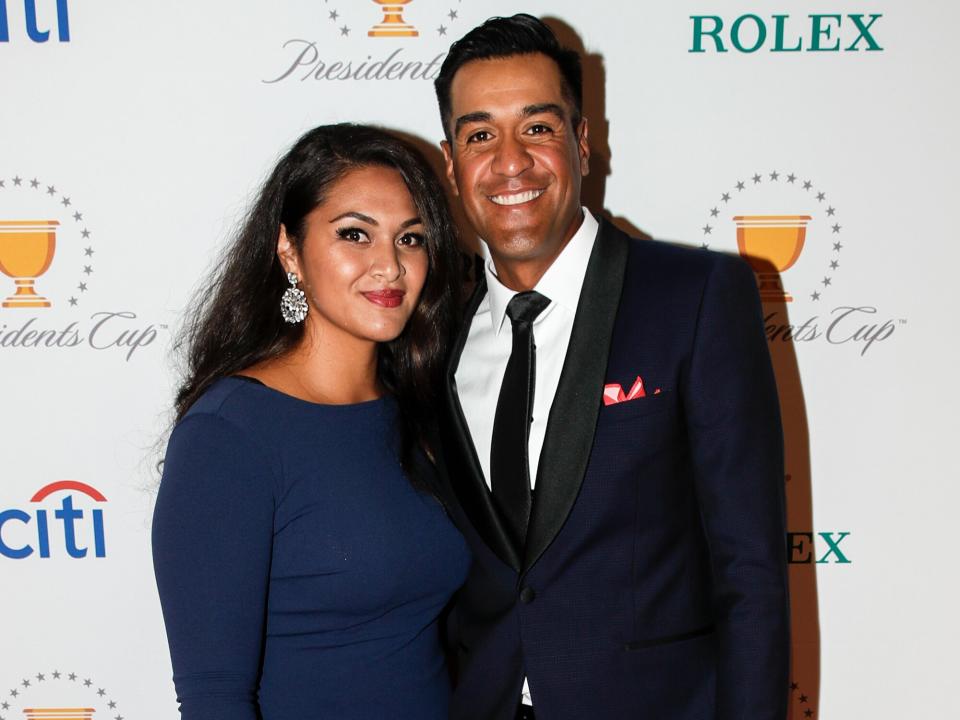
(515, 160)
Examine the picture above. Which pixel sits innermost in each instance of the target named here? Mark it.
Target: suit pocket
(639, 407)
(669, 639)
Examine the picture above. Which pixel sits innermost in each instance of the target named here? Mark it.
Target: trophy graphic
(59, 713)
(771, 244)
(26, 251)
(393, 24)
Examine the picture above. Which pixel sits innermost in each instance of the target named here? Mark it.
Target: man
(613, 437)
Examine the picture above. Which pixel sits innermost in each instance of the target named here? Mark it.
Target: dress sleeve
(212, 538)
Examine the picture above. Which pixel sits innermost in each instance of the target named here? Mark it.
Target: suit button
(527, 595)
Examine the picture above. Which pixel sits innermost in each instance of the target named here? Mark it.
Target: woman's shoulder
(230, 398)
(231, 406)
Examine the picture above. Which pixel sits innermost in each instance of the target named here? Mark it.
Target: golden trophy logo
(771, 244)
(59, 713)
(26, 251)
(393, 24)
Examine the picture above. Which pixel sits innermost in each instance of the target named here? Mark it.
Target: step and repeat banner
(133, 136)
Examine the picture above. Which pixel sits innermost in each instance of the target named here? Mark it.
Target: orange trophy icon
(393, 24)
(771, 244)
(59, 713)
(26, 251)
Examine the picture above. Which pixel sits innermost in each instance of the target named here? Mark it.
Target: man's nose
(511, 157)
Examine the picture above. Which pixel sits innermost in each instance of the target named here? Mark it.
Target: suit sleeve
(737, 449)
(212, 536)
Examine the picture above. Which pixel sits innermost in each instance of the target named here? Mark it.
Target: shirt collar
(562, 281)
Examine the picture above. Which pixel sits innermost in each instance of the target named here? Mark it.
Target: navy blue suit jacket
(653, 580)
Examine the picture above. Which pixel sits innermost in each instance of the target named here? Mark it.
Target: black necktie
(509, 450)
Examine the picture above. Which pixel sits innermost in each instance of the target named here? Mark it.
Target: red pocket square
(613, 392)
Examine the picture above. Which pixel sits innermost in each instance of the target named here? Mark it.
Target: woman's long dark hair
(235, 321)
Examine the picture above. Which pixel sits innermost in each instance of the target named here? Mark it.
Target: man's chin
(515, 247)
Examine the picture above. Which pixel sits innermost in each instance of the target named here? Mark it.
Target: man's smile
(516, 198)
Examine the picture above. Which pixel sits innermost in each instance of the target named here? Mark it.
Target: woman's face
(363, 260)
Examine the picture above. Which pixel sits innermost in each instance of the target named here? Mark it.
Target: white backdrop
(144, 129)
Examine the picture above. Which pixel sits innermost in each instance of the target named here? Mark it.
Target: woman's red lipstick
(385, 298)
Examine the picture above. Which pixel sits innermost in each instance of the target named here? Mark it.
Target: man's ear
(287, 253)
(448, 158)
(583, 147)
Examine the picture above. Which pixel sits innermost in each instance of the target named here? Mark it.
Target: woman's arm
(212, 537)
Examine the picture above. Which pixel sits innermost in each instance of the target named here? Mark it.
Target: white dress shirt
(490, 340)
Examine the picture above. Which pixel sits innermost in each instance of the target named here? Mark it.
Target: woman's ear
(287, 253)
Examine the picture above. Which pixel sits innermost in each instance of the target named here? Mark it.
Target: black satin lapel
(466, 476)
(576, 405)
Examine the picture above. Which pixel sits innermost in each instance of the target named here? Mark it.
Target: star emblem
(65, 202)
(725, 197)
(774, 176)
(25, 683)
(826, 282)
(834, 264)
(85, 233)
(836, 227)
(807, 185)
(41, 677)
(740, 185)
(821, 196)
(452, 14)
(344, 31)
(814, 296)
(803, 698)
(51, 190)
(441, 30)
(791, 178)
(707, 229)
(334, 15)
(87, 682)
(808, 713)
(837, 247)
(34, 183)
(82, 287)
(88, 252)
(73, 676)
(17, 181)
(101, 692)
(78, 216)
(73, 302)
(87, 269)
(830, 211)
(757, 179)
(56, 674)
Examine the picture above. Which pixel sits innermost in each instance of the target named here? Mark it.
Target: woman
(300, 556)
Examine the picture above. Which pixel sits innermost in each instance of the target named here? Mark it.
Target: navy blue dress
(300, 573)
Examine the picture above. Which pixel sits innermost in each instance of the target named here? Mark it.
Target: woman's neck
(322, 369)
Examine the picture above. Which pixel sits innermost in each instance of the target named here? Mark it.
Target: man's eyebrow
(479, 116)
(541, 108)
(358, 215)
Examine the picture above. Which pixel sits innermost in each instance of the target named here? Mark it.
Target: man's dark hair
(501, 37)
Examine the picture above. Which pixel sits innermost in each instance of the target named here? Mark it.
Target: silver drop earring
(293, 304)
